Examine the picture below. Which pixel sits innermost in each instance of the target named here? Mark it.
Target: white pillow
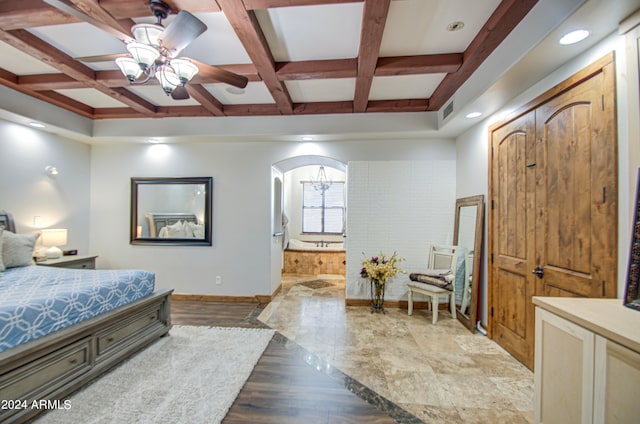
(17, 249)
(176, 230)
(194, 230)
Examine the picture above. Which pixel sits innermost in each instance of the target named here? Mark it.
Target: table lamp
(53, 238)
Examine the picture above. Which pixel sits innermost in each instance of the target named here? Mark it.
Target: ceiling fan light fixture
(167, 78)
(147, 33)
(184, 70)
(129, 68)
(143, 54)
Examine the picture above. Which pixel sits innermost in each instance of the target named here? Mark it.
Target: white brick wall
(401, 206)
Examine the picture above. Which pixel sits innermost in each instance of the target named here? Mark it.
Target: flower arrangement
(378, 269)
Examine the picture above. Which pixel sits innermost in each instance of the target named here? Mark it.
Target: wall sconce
(51, 170)
(54, 237)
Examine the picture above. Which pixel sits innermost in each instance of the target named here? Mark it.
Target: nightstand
(76, 262)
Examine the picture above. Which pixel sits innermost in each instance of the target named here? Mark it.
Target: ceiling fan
(154, 49)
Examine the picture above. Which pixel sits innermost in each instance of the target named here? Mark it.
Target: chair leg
(434, 308)
(410, 299)
(452, 302)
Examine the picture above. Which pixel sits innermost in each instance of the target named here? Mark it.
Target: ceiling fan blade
(100, 58)
(180, 93)
(181, 32)
(221, 75)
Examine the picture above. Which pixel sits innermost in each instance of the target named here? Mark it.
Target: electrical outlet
(218, 279)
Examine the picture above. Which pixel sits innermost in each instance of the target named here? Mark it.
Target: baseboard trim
(400, 304)
(223, 299)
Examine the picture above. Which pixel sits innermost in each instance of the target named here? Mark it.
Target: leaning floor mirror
(467, 235)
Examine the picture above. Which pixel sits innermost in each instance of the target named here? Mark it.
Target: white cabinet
(587, 361)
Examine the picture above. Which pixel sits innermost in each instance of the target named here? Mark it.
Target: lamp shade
(143, 54)
(168, 78)
(147, 33)
(54, 237)
(184, 70)
(129, 68)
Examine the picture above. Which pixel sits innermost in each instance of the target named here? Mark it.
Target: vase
(377, 296)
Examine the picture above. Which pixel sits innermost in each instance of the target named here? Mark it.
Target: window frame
(323, 208)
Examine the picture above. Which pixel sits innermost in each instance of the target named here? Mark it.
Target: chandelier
(321, 182)
(154, 51)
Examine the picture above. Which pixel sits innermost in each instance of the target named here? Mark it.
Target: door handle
(538, 271)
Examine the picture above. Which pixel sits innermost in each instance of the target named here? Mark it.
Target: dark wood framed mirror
(171, 211)
(467, 235)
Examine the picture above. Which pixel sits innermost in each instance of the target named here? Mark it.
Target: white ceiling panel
(417, 27)
(404, 86)
(312, 32)
(254, 93)
(155, 95)
(91, 97)
(321, 90)
(19, 63)
(219, 45)
(79, 39)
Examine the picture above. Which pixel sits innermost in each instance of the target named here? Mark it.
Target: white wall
(472, 149)
(27, 191)
(397, 206)
(242, 234)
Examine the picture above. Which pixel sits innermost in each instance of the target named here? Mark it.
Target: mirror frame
(478, 201)
(136, 182)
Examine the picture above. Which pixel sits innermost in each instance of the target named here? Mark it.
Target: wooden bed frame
(54, 366)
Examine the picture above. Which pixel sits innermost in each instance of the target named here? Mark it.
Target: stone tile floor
(440, 374)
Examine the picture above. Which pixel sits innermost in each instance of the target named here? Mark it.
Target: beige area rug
(193, 376)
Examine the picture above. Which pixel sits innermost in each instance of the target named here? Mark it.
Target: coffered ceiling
(301, 57)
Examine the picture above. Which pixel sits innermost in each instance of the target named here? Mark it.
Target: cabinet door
(563, 371)
(617, 379)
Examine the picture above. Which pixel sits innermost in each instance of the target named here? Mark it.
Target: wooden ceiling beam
(44, 82)
(90, 11)
(34, 46)
(319, 108)
(316, 69)
(269, 4)
(206, 99)
(373, 22)
(250, 34)
(31, 13)
(122, 9)
(66, 103)
(252, 110)
(406, 105)
(499, 25)
(415, 65)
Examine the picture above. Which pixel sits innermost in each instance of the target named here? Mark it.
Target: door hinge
(603, 102)
(604, 195)
(493, 204)
(603, 289)
(492, 312)
(492, 258)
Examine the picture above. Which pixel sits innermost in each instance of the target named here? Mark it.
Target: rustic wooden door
(513, 250)
(554, 206)
(577, 174)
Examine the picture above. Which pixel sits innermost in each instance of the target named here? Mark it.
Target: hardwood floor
(285, 386)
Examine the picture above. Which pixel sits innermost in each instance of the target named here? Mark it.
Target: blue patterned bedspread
(38, 300)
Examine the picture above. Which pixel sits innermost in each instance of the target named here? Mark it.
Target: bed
(61, 328)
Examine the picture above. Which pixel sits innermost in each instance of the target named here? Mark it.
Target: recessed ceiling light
(307, 138)
(36, 124)
(574, 36)
(153, 141)
(473, 114)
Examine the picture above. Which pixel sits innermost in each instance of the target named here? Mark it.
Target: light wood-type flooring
(329, 363)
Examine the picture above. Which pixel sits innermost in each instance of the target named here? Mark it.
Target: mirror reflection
(468, 237)
(171, 211)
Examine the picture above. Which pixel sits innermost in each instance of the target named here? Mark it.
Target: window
(323, 210)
